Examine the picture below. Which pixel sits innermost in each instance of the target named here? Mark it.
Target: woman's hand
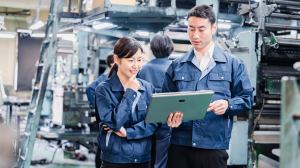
(175, 119)
(121, 133)
(133, 84)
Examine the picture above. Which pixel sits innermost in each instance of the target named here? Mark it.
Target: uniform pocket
(219, 82)
(127, 148)
(141, 112)
(109, 142)
(185, 81)
(142, 147)
(211, 128)
(142, 106)
(115, 143)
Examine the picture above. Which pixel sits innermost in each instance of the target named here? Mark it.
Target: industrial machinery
(277, 46)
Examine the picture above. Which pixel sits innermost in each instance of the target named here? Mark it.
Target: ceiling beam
(27, 4)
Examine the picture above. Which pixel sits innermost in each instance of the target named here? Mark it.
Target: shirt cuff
(130, 133)
(230, 106)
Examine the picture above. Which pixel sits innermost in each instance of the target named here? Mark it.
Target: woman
(121, 103)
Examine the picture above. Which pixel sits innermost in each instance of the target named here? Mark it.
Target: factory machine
(264, 34)
(277, 47)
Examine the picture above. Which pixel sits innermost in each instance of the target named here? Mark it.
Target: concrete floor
(44, 150)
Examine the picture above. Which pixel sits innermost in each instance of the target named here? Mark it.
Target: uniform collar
(218, 55)
(209, 53)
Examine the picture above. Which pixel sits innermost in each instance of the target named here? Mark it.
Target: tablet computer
(193, 104)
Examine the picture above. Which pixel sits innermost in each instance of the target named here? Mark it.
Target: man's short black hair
(110, 60)
(203, 11)
(161, 46)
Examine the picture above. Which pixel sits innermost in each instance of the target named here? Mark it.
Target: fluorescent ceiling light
(143, 33)
(24, 31)
(7, 35)
(67, 37)
(36, 25)
(102, 25)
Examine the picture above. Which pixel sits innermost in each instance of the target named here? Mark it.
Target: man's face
(200, 32)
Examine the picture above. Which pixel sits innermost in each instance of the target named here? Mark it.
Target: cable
(259, 115)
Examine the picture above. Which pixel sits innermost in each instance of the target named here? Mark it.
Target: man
(154, 72)
(202, 143)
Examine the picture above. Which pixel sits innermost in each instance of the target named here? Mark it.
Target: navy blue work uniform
(154, 72)
(118, 108)
(90, 92)
(226, 75)
(90, 89)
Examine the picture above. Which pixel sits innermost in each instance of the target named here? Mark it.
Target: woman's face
(129, 67)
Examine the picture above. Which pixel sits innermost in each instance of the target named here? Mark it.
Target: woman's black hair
(161, 46)
(125, 47)
(110, 60)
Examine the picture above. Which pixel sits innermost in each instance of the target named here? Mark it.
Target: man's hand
(175, 119)
(218, 107)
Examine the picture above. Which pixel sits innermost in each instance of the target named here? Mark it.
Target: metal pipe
(239, 1)
(282, 27)
(80, 8)
(268, 127)
(281, 2)
(69, 5)
(289, 8)
(285, 16)
(285, 2)
(173, 4)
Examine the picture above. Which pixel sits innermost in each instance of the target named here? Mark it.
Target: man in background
(154, 72)
(90, 89)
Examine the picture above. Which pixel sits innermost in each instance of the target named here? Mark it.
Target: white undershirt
(204, 59)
